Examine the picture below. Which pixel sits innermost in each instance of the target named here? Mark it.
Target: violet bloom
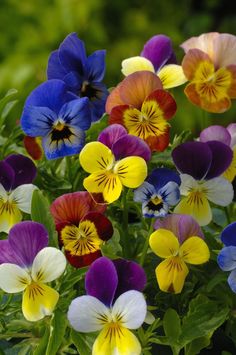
(16, 175)
(201, 165)
(83, 75)
(112, 309)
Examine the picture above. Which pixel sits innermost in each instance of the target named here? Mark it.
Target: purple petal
(111, 134)
(7, 254)
(158, 50)
(216, 133)
(23, 167)
(193, 158)
(27, 239)
(228, 235)
(182, 226)
(101, 280)
(7, 175)
(161, 176)
(129, 145)
(55, 70)
(72, 53)
(96, 65)
(222, 156)
(131, 276)
(232, 131)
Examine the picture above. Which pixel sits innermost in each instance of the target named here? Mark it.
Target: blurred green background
(31, 29)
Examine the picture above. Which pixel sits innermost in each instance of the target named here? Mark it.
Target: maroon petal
(7, 175)
(222, 156)
(101, 280)
(24, 168)
(111, 134)
(131, 146)
(79, 261)
(103, 225)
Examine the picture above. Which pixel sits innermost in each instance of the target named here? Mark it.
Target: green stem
(16, 335)
(146, 244)
(125, 225)
(227, 215)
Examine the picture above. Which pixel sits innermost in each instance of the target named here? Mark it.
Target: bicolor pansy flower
(140, 104)
(113, 310)
(83, 75)
(210, 66)
(158, 57)
(158, 193)
(179, 240)
(226, 136)
(81, 226)
(227, 256)
(58, 116)
(200, 166)
(118, 159)
(28, 264)
(16, 175)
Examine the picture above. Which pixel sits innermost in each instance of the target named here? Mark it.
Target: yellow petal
(9, 215)
(132, 171)
(133, 64)
(106, 183)
(96, 156)
(197, 206)
(38, 301)
(230, 173)
(171, 274)
(172, 75)
(115, 339)
(194, 251)
(164, 243)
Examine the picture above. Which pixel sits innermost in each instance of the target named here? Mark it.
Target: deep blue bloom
(58, 116)
(83, 75)
(158, 192)
(227, 256)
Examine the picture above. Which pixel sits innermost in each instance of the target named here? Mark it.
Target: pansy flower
(179, 240)
(140, 104)
(226, 136)
(57, 116)
(27, 264)
(118, 159)
(83, 75)
(201, 165)
(227, 256)
(81, 226)
(158, 193)
(16, 175)
(158, 57)
(114, 309)
(33, 146)
(210, 66)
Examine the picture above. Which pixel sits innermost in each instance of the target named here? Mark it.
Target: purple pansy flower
(83, 75)
(114, 308)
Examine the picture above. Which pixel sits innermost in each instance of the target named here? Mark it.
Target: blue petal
(97, 104)
(74, 81)
(72, 54)
(37, 121)
(52, 94)
(161, 176)
(227, 258)
(96, 66)
(77, 113)
(170, 193)
(228, 235)
(55, 69)
(144, 192)
(232, 280)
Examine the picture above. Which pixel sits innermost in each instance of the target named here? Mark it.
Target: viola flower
(83, 75)
(210, 66)
(158, 193)
(201, 165)
(158, 57)
(33, 146)
(16, 175)
(227, 256)
(226, 136)
(81, 226)
(141, 105)
(27, 264)
(57, 116)
(117, 160)
(113, 309)
(179, 240)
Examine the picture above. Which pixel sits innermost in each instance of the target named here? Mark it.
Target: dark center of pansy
(90, 91)
(60, 131)
(155, 204)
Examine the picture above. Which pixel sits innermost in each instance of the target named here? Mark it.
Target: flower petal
(96, 65)
(8, 255)
(144, 192)
(9, 214)
(77, 113)
(24, 169)
(22, 196)
(170, 193)
(95, 156)
(48, 265)
(72, 54)
(164, 243)
(224, 50)
(129, 145)
(33, 146)
(37, 121)
(79, 261)
(102, 272)
(231, 128)
(133, 64)
(87, 314)
(172, 75)
(227, 258)
(132, 171)
(222, 156)
(55, 70)
(219, 191)
(114, 99)
(161, 176)
(13, 278)
(7, 176)
(102, 224)
(204, 42)
(111, 134)
(164, 101)
(232, 280)
(194, 251)
(216, 133)
(228, 235)
(193, 61)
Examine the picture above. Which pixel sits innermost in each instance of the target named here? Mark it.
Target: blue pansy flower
(58, 116)
(83, 75)
(158, 192)
(227, 256)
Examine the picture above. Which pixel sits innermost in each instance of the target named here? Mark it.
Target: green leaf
(172, 326)
(42, 346)
(40, 213)
(112, 247)
(57, 331)
(9, 97)
(197, 345)
(83, 342)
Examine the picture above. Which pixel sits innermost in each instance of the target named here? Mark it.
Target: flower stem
(125, 225)
(146, 244)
